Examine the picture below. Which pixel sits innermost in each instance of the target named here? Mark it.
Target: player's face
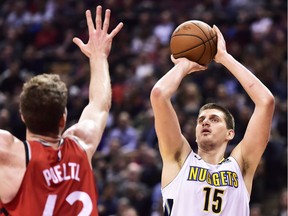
(211, 129)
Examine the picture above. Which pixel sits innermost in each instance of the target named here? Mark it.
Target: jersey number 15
(216, 199)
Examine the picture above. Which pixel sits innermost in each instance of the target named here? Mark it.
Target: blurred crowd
(36, 37)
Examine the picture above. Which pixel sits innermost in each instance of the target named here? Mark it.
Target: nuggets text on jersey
(221, 178)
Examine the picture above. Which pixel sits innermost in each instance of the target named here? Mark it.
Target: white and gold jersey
(202, 189)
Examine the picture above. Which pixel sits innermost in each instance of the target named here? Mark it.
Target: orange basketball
(194, 40)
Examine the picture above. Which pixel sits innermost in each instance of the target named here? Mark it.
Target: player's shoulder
(6, 138)
(8, 143)
(74, 139)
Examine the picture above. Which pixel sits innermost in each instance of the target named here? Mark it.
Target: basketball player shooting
(204, 182)
(51, 173)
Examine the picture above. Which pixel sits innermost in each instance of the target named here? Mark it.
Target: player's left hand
(221, 45)
(100, 41)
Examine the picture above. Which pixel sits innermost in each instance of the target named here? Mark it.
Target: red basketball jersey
(56, 182)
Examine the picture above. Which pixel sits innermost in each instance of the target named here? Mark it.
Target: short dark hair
(229, 119)
(42, 103)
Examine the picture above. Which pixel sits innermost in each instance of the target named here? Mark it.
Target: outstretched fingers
(98, 22)
(78, 42)
(116, 30)
(89, 21)
(106, 20)
(98, 19)
(106, 24)
(99, 39)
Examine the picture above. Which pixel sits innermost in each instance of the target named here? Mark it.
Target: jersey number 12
(71, 198)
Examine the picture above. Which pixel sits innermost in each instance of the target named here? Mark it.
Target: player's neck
(211, 157)
(48, 140)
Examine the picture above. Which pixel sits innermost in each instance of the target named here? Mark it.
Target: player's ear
(22, 118)
(230, 134)
(63, 119)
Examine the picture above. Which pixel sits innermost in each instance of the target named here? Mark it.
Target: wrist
(98, 56)
(226, 58)
(223, 57)
(183, 68)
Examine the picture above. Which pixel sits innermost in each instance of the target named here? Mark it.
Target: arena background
(36, 37)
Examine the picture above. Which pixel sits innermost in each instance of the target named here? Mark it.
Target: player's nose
(205, 122)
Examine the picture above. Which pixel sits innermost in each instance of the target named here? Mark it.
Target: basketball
(194, 40)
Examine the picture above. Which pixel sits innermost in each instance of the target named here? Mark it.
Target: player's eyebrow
(210, 116)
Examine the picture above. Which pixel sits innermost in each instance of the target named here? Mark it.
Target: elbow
(108, 103)
(270, 100)
(107, 106)
(156, 94)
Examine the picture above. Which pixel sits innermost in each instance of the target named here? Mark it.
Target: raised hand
(100, 40)
(221, 45)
